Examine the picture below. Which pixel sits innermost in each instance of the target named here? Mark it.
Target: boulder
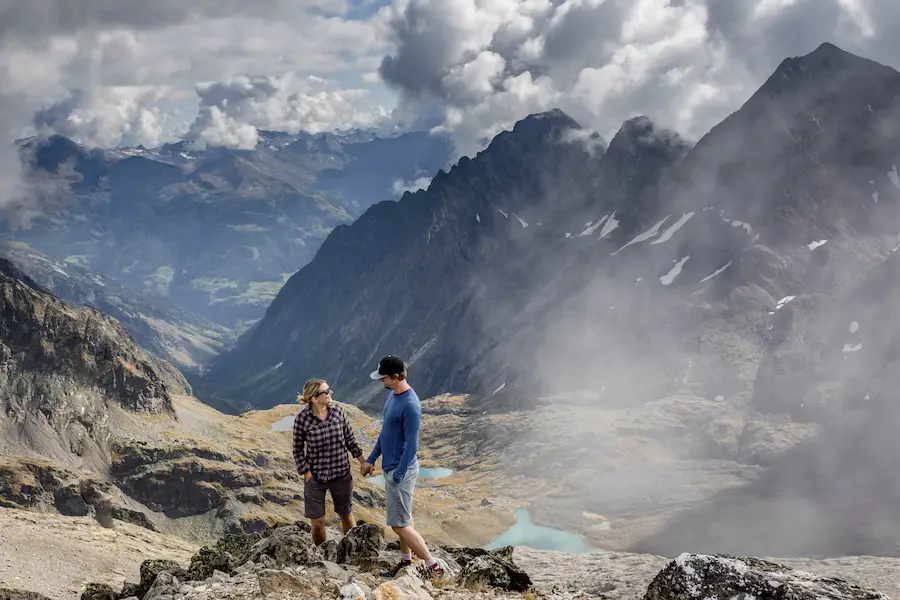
(288, 545)
(405, 587)
(150, 569)
(363, 542)
(208, 560)
(164, 587)
(722, 577)
(98, 591)
(493, 568)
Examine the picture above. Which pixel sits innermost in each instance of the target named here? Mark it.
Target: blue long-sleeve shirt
(398, 441)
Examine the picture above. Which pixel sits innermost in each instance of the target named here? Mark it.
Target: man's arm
(412, 422)
(376, 451)
(299, 448)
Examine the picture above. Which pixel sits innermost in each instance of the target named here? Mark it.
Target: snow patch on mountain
(591, 226)
(644, 236)
(716, 272)
(669, 277)
(611, 224)
(668, 233)
(894, 177)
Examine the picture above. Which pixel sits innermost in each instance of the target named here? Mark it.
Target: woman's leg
(314, 509)
(342, 496)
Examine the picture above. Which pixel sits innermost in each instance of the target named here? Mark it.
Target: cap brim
(375, 375)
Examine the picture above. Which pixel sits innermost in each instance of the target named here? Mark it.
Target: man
(397, 445)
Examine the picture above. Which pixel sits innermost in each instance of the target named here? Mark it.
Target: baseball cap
(389, 365)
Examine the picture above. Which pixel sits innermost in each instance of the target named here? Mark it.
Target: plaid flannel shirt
(320, 447)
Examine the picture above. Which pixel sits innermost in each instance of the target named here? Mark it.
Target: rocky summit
(282, 562)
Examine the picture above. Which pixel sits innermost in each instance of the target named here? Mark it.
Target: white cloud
(468, 66)
(400, 187)
(232, 111)
(687, 64)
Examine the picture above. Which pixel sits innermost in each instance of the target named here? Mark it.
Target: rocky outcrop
(698, 576)
(41, 487)
(483, 568)
(62, 368)
(282, 560)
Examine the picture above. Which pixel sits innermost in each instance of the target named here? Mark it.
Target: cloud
(144, 60)
(400, 187)
(110, 116)
(686, 64)
(232, 111)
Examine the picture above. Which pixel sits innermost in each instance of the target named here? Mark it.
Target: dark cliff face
(63, 366)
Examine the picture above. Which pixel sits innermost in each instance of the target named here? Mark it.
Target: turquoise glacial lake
(526, 533)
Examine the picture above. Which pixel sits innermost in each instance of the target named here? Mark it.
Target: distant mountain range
(214, 232)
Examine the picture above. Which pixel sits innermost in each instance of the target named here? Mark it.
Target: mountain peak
(642, 131)
(823, 64)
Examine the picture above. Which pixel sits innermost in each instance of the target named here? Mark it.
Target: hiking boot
(435, 571)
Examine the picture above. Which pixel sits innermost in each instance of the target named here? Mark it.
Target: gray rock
(164, 587)
(363, 542)
(287, 545)
(721, 577)
(490, 568)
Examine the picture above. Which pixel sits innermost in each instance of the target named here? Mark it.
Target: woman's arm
(299, 449)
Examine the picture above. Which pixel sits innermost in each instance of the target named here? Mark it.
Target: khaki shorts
(341, 490)
(399, 496)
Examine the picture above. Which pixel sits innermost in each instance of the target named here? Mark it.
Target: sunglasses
(324, 392)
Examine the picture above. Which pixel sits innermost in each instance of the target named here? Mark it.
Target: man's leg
(405, 550)
(414, 541)
(314, 509)
(399, 519)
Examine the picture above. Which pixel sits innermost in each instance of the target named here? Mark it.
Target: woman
(322, 437)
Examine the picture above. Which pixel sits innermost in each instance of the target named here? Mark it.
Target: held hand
(307, 476)
(366, 469)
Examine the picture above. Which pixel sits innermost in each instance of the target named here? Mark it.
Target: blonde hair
(310, 389)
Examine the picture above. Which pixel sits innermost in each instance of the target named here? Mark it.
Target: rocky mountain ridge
(66, 369)
(140, 454)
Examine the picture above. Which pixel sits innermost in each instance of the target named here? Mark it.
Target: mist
(716, 373)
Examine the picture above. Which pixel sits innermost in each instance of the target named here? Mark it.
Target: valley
(629, 353)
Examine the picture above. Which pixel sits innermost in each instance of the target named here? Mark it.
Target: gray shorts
(399, 496)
